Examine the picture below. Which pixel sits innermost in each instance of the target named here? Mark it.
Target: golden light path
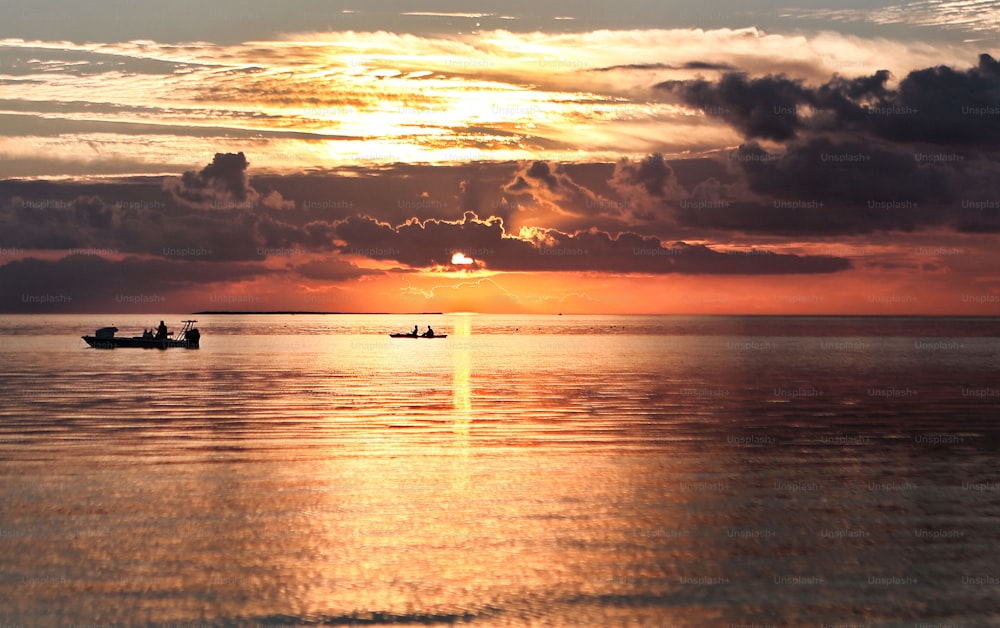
(462, 382)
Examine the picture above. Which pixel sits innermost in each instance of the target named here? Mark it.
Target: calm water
(577, 471)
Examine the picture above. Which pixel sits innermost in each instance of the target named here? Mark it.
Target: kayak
(415, 336)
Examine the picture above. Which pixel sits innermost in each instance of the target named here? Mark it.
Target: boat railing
(188, 326)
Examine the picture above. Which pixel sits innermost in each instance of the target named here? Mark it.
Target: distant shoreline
(522, 314)
(306, 312)
(286, 312)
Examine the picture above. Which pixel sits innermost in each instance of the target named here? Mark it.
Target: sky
(542, 157)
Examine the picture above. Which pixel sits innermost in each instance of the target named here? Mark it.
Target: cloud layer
(342, 98)
(721, 160)
(855, 155)
(434, 242)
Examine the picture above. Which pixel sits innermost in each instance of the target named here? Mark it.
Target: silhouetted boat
(418, 336)
(187, 338)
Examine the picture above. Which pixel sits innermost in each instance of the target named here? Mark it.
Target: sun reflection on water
(462, 384)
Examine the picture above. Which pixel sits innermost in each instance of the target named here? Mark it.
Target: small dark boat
(187, 338)
(418, 336)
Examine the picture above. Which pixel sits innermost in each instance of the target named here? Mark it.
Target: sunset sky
(625, 157)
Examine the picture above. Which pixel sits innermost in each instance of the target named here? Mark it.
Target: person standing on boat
(161, 331)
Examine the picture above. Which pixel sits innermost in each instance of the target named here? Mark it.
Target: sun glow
(461, 259)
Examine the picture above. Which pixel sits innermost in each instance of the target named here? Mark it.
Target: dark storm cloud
(517, 185)
(857, 156)
(332, 270)
(428, 243)
(652, 173)
(93, 212)
(140, 218)
(471, 197)
(544, 185)
(939, 105)
(397, 192)
(848, 172)
(141, 215)
(540, 176)
(817, 218)
(316, 235)
(432, 243)
(92, 283)
(541, 172)
(54, 223)
(223, 184)
(824, 186)
(951, 107)
(758, 107)
(223, 179)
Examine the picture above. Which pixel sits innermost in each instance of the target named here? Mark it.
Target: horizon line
(466, 312)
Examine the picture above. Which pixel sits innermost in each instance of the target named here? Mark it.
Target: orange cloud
(323, 98)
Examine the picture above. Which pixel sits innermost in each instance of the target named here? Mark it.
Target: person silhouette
(416, 330)
(429, 333)
(161, 331)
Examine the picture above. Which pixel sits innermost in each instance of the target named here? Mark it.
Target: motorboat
(187, 338)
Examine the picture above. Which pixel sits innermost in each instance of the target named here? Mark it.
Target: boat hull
(138, 343)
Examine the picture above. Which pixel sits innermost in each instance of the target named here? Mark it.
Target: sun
(461, 258)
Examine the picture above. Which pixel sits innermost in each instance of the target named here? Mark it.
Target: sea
(302, 470)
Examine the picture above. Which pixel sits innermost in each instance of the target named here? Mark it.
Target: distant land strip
(320, 313)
